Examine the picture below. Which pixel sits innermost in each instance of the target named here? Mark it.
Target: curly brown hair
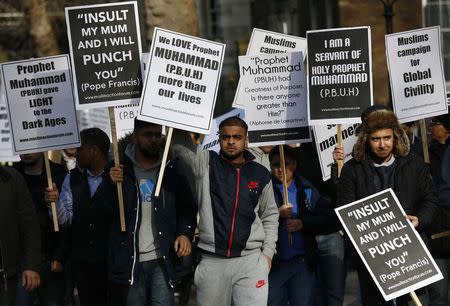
(378, 120)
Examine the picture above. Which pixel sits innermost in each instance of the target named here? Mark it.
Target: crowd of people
(226, 215)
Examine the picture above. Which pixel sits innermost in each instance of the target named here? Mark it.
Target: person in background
(20, 244)
(261, 155)
(53, 244)
(440, 170)
(414, 141)
(438, 127)
(85, 203)
(292, 278)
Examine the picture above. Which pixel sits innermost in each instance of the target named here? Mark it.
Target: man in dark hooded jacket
(381, 161)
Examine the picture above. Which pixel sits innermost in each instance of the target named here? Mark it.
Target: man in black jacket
(159, 229)
(20, 244)
(85, 203)
(53, 244)
(381, 161)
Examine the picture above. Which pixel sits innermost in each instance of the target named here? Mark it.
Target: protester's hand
(293, 225)
(116, 174)
(338, 154)
(285, 211)
(182, 246)
(414, 220)
(51, 195)
(30, 280)
(56, 266)
(269, 261)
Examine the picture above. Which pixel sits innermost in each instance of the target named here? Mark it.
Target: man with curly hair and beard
(381, 161)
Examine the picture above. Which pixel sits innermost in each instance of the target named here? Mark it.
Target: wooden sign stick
(163, 161)
(440, 235)
(112, 121)
(50, 185)
(423, 135)
(339, 143)
(285, 186)
(415, 298)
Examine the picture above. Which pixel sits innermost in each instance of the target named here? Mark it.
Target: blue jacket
(317, 218)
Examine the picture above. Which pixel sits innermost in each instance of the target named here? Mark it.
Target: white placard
(267, 42)
(211, 141)
(95, 117)
(326, 140)
(124, 114)
(416, 74)
(41, 105)
(275, 87)
(181, 81)
(5, 136)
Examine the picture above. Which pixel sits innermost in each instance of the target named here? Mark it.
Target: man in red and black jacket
(238, 218)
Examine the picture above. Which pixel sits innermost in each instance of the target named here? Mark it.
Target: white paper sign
(41, 105)
(211, 141)
(275, 87)
(95, 117)
(326, 140)
(416, 74)
(5, 137)
(124, 114)
(181, 81)
(267, 42)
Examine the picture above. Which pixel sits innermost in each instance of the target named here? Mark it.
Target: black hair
(141, 124)
(288, 152)
(233, 121)
(95, 137)
(409, 124)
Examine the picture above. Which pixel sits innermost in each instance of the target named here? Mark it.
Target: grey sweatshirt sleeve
(268, 213)
(192, 156)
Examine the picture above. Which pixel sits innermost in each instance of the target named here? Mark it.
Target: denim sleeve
(64, 209)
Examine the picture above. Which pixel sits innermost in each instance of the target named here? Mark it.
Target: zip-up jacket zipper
(236, 201)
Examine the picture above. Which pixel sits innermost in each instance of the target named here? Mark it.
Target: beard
(231, 156)
(151, 152)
